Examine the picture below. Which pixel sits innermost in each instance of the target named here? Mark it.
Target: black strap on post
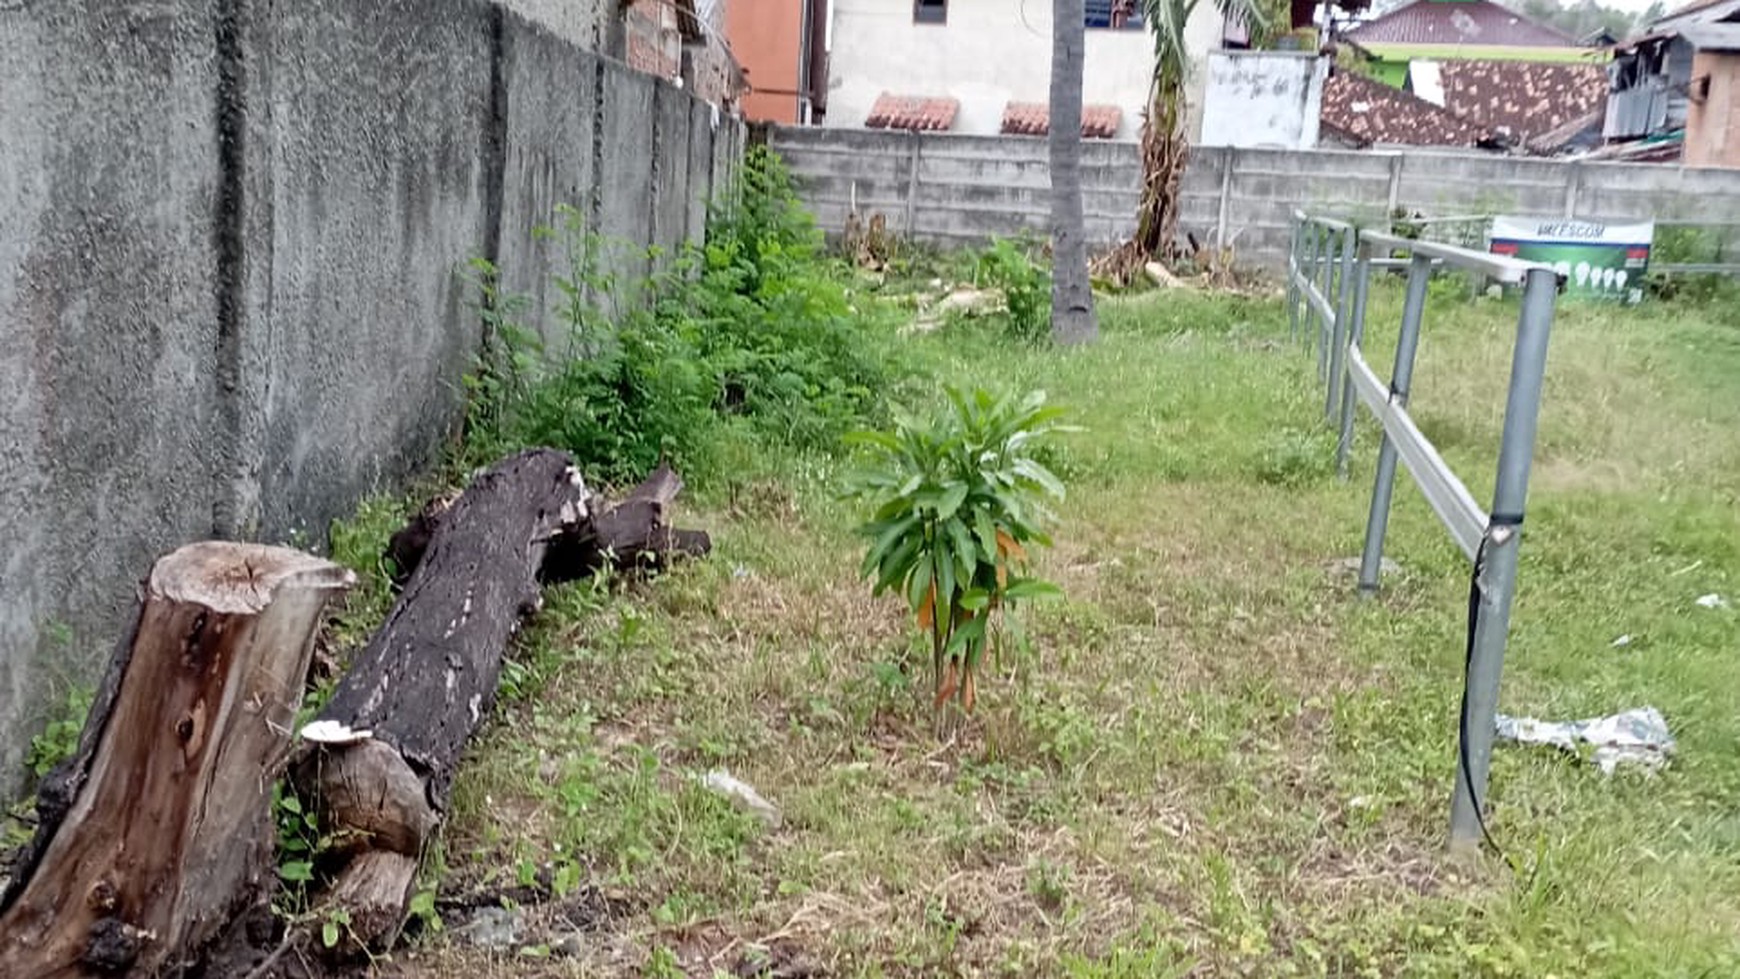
(1494, 522)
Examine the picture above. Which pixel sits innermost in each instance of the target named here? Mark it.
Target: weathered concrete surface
(233, 235)
(1263, 98)
(108, 327)
(953, 190)
(550, 131)
(381, 156)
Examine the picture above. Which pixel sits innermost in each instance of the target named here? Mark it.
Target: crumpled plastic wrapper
(1636, 737)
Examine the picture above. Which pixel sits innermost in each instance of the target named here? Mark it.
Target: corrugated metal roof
(1459, 22)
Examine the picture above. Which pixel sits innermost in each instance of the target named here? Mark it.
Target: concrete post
(912, 185)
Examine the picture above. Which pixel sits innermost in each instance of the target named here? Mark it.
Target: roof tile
(1370, 112)
(1034, 119)
(1471, 22)
(1522, 99)
(915, 112)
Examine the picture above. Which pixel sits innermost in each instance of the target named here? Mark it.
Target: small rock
(743, 795)
(972, 302)
(572, 945)
(1712, 600)
(1624, 640)
(491, 928)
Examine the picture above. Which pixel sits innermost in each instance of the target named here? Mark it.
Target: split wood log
(158, 832)
(380, 759)
(633, 534)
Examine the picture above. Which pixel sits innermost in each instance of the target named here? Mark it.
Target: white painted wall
(1270, 99)
(989, 53)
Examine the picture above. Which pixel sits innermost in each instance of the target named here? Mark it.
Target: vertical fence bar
(1355, 336)
(1338, 336)
(1371, 559)
(1496, 570)
(1324, 289)
(1313, 237)
(1294, 232)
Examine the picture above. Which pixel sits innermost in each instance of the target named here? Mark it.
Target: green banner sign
(1598, 260)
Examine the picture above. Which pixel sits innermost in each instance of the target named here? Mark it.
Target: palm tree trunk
(1072, 295)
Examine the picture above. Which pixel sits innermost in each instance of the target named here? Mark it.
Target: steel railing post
(1371, 559)
(1293, 258)
(1355, 336)
(1325, 289)
(1339, 334)
(1313, 238)
(1496, 569)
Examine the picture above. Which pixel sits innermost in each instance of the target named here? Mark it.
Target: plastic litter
(1624, 640)
(1636, 737)
(744, 795)
(1712, 600)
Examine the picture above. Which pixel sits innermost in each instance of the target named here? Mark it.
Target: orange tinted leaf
(949, 684)
(927, 609)
(1002, 575)
(1009, 546)
(969, 692)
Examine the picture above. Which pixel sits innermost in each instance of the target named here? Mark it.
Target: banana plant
(959, 499)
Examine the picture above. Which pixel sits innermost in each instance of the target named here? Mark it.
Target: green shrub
(958, 497)
(756, 325)
(1026, 286)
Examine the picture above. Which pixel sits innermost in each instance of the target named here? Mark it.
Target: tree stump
(158, 832)
(380, 760)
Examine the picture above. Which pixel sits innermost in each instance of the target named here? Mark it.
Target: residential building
(1452, 30)
(1263, 99)
(1676, 89)
(782, 46)
(984, 66)
(682, 41)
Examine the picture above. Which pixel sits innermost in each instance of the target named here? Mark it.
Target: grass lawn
(1217, 760)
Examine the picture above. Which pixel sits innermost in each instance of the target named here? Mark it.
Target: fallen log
(158, 832)
(379, 761)
(633, 534)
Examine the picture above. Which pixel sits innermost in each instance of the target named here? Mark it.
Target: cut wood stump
(378, 763)
(158, 832)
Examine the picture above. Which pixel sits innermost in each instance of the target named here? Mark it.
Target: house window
(1117, 15)
(930, 11)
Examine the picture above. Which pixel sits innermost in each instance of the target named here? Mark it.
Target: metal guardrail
(1329, 252)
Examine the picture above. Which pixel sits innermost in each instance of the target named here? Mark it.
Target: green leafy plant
(757, 327)
(60, 738)
(958, 498)
(1026, 287)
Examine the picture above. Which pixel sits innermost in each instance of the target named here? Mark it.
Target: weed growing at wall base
(755, 330)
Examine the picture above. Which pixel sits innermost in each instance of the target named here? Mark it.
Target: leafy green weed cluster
(754, 330)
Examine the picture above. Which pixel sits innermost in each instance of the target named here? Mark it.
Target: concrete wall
(988, 54)
(1713, 123)
(1263, 99)
(957, 190)
(232, 234)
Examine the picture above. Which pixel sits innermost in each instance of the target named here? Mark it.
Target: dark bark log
(400, 718)
(158, 832)
(634, 534)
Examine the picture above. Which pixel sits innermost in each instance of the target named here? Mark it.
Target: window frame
(941, 8)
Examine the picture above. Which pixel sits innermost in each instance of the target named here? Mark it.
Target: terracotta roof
(916, 112)
(1034, 119)
(1367, 112)
(1522, 99)
(1459, 22)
